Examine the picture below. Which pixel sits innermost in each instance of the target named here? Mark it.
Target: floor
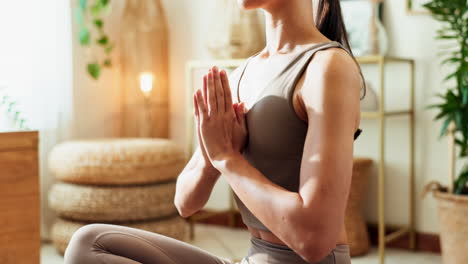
(233, 244)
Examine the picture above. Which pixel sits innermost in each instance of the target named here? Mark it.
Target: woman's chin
(251, 4)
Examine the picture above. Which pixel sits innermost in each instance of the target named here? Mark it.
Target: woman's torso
(276, 122)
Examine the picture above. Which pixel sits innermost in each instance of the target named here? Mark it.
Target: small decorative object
(416, 7)
(129, 182)
(13, 110)
(144, 59)
(90, 17)
(362, 18)
(453, 200)
(237, 33)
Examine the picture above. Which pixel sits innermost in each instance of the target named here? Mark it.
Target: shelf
(397, 234)
(229, 63)
(377, 114)
(380, 62)
(375, 59)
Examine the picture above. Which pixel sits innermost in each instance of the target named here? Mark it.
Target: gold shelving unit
(380, 115)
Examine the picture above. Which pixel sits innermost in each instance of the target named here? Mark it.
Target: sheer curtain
(36, 69)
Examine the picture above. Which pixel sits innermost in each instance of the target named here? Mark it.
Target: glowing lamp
(146, 83)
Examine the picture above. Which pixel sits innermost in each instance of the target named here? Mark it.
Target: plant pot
(453, 222)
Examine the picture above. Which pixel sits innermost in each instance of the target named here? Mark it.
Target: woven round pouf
(356, 229)
(112, 204)
(174, 227)
(117, 161)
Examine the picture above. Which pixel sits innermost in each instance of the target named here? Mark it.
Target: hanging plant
(90, 17)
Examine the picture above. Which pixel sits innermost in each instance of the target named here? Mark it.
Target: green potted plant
(453, 110)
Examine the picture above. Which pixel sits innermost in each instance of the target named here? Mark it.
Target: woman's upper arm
(330, 94)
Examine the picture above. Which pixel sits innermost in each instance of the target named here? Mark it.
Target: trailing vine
(90, 17)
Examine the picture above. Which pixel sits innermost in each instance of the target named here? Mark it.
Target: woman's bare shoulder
(331, 78)
(333, 61)
(332, 66)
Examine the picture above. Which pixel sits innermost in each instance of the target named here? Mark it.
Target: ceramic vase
(237, 33)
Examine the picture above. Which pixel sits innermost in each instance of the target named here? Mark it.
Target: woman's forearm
(283, 212)
(194, 185)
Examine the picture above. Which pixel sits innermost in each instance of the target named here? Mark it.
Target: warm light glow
(146, 83)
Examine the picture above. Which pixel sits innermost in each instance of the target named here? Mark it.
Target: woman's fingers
(205, 89)
(212, 107)
(227, 91)
(195, 105)
(219, 90)
(241, 111)
(202, 109)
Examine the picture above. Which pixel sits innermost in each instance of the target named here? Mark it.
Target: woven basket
(117, 161)
(112, 204)
(174, 227)
(453, 223)
(356, 229)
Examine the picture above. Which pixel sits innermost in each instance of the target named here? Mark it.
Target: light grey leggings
(112, 244)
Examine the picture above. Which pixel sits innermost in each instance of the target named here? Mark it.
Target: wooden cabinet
(19, 198)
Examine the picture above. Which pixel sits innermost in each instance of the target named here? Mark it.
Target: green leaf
(104, 2)
(451, 60)
(444, 127)
(85, 36)
(450, 76)
(83, 4)
(107, 63)
(458, 119)
(447, 37)
(441, 114)
(434, 106)
(109, 48)
(460, 183)
(94, 70)
(79, 16)
(10, 106)
(96, 10)
(103, 40)
(98, 22)
(465, 96)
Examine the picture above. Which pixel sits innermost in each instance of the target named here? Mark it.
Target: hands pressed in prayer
(221, 125)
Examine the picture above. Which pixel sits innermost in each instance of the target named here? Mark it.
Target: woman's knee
(79, 248)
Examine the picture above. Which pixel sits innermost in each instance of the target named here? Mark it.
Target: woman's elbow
(182, 207)
(184, 212)
(314, 248)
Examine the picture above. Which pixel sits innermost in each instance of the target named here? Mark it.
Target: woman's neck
(289, 25)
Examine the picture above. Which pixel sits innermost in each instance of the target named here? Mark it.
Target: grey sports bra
(276, 134)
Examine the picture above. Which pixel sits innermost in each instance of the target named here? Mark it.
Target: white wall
(36, 69)
(409, 36)
(37, 62)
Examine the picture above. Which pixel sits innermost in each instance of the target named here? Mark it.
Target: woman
(288, 158)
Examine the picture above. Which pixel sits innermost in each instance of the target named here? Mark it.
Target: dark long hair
(329, 21)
